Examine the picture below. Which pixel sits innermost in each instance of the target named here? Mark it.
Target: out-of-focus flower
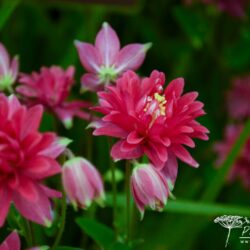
(241, 167)
(233, 7)
(50, 87)
(12, 242)
(105, 61)
(149, 120)
(8, 69)
(239, 99)
(27, 157)
(149, 188)
(82, 182)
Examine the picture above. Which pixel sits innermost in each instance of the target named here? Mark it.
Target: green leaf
(190, 207)
(100, 233)
(7, 8)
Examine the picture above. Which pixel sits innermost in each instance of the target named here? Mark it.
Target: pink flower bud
(12, 242)
(149, 188)
(82, 182)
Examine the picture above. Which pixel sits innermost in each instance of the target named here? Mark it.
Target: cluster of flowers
(145, 118)
(239, 110)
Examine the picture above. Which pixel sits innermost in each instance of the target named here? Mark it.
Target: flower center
(107, 74)
(155, 106)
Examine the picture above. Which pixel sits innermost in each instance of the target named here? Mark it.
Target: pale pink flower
(149, 188)
(82, 182)
(27, 157)
(149, 120)
(12, 242)
(8, 69)
(51, 88)
(241, 168)
(239, 98)
(105, 61)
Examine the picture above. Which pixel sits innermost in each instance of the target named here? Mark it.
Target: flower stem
(62, 226)
(127, 183)
(114, 190)
(29, 235)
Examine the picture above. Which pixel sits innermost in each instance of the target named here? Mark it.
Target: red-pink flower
(105, 61)
(8, 69)
(50, 87)
(12, 242)
(149, 120)
(149, 188)
(82, 182)
(241, 167)
(27, 157)
(238, 98)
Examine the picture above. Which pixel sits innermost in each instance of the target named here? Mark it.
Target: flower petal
(108, 44)
(131, 57)
(12, 242)
(89, 56)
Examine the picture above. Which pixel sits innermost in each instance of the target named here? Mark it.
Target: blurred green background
(198, 42)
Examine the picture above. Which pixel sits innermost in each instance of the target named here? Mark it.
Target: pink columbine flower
(12, 242)
(50, 87)
(241, 167)
(8, 69)
(27, 157)
(105, 61)
(238, 98)
(82, 182)
(149, 120)
(149, 188)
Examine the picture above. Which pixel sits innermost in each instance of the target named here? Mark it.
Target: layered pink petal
(38, 211)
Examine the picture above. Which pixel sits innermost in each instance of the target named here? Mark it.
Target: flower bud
(149, 188)
(82, 183)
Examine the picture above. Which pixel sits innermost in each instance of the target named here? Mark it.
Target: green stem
(28, 233)
(127, 183)
(114, 191)
(62, 226)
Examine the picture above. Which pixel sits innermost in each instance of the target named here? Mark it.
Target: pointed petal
(108, 44)
(38, 211)
(12, 242)
(89, 56)
(184, 155)
(131, 57)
